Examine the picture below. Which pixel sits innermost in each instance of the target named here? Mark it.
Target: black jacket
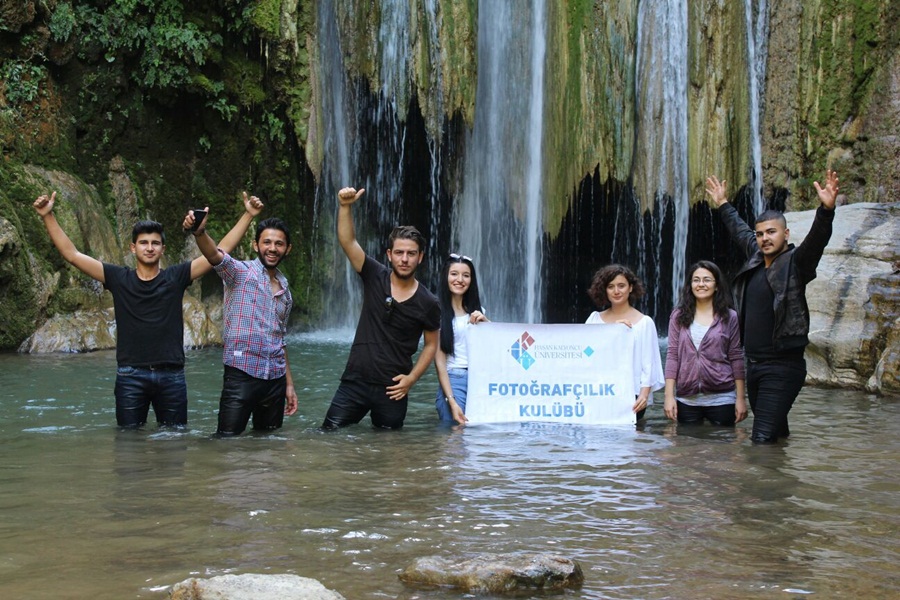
(788, 275)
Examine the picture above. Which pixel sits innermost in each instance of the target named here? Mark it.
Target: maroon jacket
(711, 368)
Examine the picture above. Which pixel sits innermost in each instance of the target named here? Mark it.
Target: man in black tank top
(149, 322)
(770, 296)
(396, 311)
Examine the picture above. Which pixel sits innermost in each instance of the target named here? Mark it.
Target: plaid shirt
(255, 318)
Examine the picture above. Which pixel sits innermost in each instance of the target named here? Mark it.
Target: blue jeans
(137, 388)
(772, 387)
(459, 383)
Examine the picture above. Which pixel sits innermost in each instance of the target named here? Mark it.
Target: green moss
(266, 17)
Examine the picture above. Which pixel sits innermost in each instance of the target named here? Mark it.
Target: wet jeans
(459, 383)
(719, 414)
(354, 399)
(137, 388)
(772, 387)
(244, 395)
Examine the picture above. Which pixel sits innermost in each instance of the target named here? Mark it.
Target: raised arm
(211, 255)
(346, 232)
(741, 233)
(202, 265)
(84, 263)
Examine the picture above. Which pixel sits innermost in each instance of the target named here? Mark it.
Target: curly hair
(605, 275)
(687, 302)
(470, 300)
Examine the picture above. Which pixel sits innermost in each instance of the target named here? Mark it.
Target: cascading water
(757, 45)
(662, 106)
(498, 215)
(340, 154)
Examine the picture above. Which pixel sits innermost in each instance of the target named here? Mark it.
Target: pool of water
(658, 512)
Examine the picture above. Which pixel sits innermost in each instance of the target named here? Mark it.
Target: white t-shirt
(460, 357)
(647, 361)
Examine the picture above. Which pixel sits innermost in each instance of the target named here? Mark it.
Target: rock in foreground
(493, 573)
(252, 587)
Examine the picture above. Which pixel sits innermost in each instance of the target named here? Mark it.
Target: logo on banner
(519, 350)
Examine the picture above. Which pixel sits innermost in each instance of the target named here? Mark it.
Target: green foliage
(167, 45)
(62, 22)
(266, 16)
(21, 81)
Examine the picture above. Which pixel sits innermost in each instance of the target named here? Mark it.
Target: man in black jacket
(770, 296)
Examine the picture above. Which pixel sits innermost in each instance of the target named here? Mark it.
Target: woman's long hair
(687, 303)
(471, 300)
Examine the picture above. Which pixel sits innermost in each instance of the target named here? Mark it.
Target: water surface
(661, 512)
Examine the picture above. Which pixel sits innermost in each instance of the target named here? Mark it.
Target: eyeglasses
(388, 307)
(706, 280)
(460, 257)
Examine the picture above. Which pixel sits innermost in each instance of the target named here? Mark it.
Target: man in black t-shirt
(149, 321)
(396, 311)
(770, 296)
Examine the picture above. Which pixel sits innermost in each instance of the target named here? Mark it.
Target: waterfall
(338, 110)
(497, 219)
(661, 178)
(757, 45)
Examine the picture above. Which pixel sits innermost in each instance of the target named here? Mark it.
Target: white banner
(560, 373)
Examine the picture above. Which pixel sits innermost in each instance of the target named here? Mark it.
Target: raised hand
(716, 190)
(44, 204)
(828, 194)
(253, 205)
(188, 223)
(349, 195)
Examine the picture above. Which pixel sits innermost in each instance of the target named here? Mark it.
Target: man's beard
(399, 275)
(262, 259)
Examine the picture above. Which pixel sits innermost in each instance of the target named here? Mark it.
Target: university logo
(519, 350)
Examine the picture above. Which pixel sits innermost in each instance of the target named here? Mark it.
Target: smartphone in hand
(199, 215)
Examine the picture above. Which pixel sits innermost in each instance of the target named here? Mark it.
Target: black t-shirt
(388, 332)
(149, 321)
(759, 316)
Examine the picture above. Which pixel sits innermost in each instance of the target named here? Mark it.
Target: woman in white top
(614, 288)
(460, 309)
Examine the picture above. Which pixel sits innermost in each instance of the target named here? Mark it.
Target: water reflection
(665, 511)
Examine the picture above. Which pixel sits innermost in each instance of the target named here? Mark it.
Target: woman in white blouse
(614, 289)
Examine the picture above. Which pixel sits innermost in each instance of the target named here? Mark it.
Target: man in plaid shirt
(258, 301)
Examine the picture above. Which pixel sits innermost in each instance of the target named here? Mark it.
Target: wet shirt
(255, 318)
(149, 321)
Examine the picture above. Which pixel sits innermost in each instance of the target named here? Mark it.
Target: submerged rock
(251, 586)
(495, 573)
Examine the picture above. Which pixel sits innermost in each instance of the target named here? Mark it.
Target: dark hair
(406, 232)
(273, 223)
(687, 303)
(147, 227)
(470, 300)
(771, 215)
(604, 275)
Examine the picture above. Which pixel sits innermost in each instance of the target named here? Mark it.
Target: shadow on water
(662, 511)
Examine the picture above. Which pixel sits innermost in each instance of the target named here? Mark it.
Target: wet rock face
(252, 587)
(854, 302)
(493, 574)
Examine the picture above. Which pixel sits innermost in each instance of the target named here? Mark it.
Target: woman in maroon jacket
(704, 361)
